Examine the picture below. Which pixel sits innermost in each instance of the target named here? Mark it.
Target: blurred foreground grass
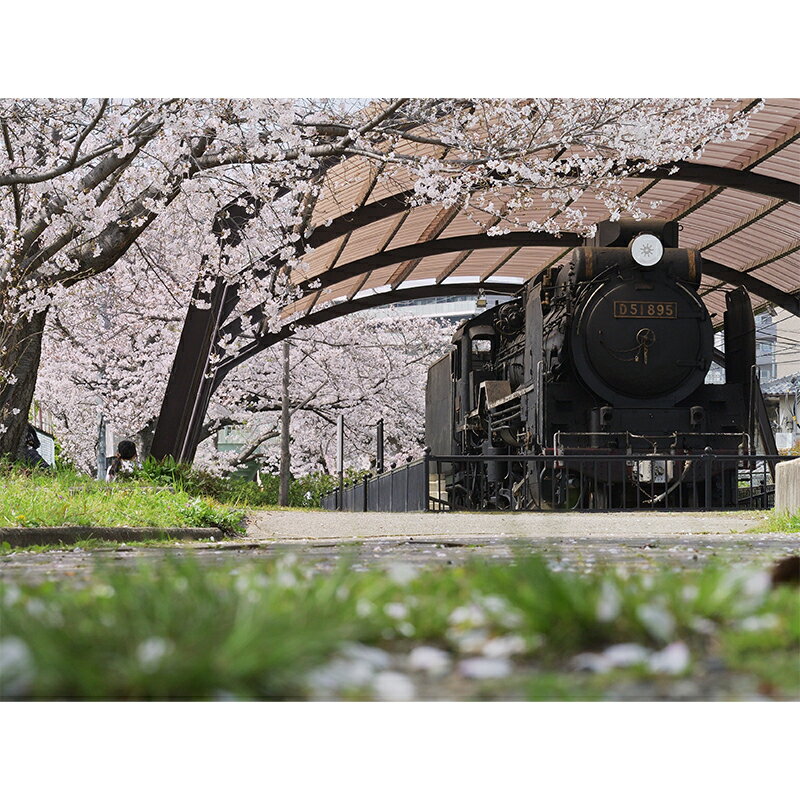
(176, 629)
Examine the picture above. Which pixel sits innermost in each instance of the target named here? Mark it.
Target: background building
(782, 402)
(778, 361)
(450, 309)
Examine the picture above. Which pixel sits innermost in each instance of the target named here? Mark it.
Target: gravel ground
(635, 541)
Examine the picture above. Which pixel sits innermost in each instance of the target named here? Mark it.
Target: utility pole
(101, 448)
(340, 457)
(283, 495)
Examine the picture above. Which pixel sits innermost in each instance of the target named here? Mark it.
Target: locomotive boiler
(606, 355)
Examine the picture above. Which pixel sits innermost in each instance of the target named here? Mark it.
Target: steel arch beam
(435, 247)
(412, 252)
(728, 178)
(186, 404)
(786, 301)
(342, 309)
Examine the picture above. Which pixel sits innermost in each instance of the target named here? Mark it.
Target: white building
(455, 308)
(781, 395)
(787, 344)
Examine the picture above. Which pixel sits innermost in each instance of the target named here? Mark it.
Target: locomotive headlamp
(647, 249)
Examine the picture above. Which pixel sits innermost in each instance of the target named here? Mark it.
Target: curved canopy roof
(739, 204)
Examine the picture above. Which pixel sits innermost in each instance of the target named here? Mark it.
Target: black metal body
(602, 357)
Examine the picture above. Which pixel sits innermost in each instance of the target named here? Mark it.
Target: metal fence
(403, 489)
(575, 482)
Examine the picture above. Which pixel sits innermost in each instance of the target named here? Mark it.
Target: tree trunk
(145, 438)
(283, 497)
(20, 358)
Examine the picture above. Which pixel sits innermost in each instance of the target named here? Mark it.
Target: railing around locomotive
(601, 482)
(402, 489)
(583, 482)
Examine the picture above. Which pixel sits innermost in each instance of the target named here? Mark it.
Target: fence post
(379, 443)
(426, 488)
(707, 459)
(366, 489)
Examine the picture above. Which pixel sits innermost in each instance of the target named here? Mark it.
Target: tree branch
(87, 130)
(14, 188)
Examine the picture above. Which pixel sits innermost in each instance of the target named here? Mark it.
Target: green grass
(779, 522)
(35, 498)
(181, 629)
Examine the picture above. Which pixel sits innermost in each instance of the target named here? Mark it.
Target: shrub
(185, 478)
(304, 492)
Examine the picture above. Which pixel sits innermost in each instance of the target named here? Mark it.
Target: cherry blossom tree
(108, 350)
(87, 185)
(364, 367)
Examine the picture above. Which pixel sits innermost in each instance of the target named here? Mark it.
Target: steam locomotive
(605, 355)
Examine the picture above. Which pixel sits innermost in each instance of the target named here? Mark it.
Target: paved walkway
(567, 541)
(285, 525)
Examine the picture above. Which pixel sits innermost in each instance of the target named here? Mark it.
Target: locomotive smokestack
(623, 232)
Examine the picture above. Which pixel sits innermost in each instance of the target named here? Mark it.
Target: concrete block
(787, 486)
(26, 537)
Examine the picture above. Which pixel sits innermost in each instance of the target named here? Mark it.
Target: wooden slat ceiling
(739, 229)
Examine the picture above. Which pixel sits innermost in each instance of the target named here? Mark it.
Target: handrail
(575, 481)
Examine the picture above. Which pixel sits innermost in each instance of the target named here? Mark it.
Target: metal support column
(190, 387)
(190, 384)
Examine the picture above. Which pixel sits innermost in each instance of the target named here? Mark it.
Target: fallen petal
(429, 659)
(626, 655)
(482, 669)
(393, 686)
(672, 660)
(504, 646)
(374, 656)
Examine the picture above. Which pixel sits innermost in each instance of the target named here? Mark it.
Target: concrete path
(579, 542)
(286, 525)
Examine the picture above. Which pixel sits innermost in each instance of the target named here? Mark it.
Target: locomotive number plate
(637, 309)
